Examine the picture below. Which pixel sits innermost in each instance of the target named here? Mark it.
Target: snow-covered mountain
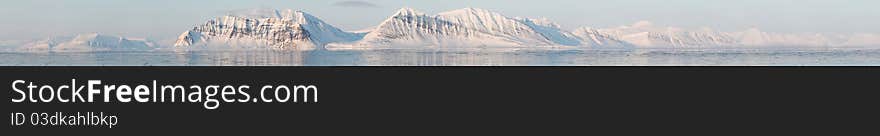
(265, 28)
(468, 28)
(9, 44)
(756, 38)
(89, 42)
(860, 40)
(478, 28)
(590, 36)
(645, 34)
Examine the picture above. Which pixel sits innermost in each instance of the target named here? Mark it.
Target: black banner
(458, 101)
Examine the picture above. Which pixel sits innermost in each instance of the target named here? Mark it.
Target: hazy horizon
(165, 19)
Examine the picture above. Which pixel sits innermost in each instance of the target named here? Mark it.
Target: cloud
(359, 4)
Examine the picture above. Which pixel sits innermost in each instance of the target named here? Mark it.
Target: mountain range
(478, 28)
(261, 28)
(89, 42)
(407, 28)
(462, 28)
(469, 28)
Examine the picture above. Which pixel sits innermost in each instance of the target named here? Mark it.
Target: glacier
(89, 42)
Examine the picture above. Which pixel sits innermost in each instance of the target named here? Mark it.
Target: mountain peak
(406, 11)
(643, 23)
(96, 36)
(92, 34)
(753, 29)
(256, 13)
(289, 29)
(475, 10)
(262, 13)
(470, 11)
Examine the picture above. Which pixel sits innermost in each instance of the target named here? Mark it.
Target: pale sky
(165, 19)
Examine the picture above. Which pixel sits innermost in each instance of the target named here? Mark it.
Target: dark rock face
(275, 32)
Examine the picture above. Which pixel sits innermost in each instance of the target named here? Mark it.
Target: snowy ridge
(247, 33)
(491, 23)
(89, 42)
(467, 28)
(262, 28)
(755, 37)
(414, 29)
(646, 35)
(590, 36)
(551, 31)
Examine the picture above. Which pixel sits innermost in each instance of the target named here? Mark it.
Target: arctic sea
(446, 57)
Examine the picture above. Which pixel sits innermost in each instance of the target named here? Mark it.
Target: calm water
(819, 57)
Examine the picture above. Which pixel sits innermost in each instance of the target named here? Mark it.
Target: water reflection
(480, 57)
(448, 58)
(241, 58)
